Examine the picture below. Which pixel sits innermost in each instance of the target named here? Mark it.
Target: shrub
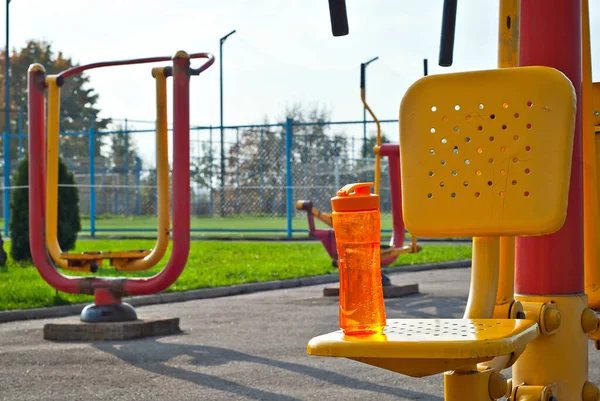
(69, 223)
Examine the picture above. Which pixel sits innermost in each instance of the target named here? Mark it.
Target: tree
(78, 99)
(69, 223)
(258, 162)
(123, 151)
(149, 193)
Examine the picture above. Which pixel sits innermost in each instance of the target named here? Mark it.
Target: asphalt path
(247, 347)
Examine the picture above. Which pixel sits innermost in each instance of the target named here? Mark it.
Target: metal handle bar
(79, 69)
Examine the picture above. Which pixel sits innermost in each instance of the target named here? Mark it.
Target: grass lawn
(211, 264)
(210, 226)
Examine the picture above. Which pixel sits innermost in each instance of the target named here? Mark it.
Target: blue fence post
(288, 175)
(92, 150)
(20, 134)
(138, 195)
(6, 178)
(237, 171)
(102, 185)
(210, 168)
(262, 174)
(126, 165)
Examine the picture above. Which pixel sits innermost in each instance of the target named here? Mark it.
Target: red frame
(117, 288)
(550, 35)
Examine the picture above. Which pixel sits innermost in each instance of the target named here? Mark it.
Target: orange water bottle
(356, 222)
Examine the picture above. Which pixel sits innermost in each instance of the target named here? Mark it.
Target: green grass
(210, 264)
(247, 222)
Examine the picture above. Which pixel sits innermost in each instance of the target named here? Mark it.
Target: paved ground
(250, 347)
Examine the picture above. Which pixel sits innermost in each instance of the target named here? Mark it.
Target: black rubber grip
(339, 17)
(362, 76)
(448, 30)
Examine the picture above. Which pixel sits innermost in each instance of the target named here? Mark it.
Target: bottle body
(361, 305)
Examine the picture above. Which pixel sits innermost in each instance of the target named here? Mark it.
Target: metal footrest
(90, 261)
(425, 347)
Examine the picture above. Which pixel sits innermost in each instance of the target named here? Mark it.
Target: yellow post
(52, 171)
(162, 167)
(162, 177)
(484, 278)
(559, 355)
(590, 189)
(508, 56)
(377, 178)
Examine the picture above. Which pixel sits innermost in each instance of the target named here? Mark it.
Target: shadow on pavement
(153, 356)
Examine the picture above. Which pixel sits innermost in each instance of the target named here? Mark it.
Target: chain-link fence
(245, 180)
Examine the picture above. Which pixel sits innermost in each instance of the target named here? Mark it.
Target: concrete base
(76, 330)
(389, 291)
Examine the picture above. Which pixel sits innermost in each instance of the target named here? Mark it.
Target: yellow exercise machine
(497, 155)
(133, 260)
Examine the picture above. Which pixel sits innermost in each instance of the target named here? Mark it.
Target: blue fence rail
(267, 168)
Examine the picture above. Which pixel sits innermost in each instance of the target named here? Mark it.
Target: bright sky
(283, 51)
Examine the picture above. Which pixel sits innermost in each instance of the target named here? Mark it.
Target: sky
(282, 53)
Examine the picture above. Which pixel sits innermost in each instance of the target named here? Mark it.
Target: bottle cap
(355, 197)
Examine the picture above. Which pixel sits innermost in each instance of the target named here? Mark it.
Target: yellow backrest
(487, 153)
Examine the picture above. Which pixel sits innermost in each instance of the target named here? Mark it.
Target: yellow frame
(590, 174)
(126, 260)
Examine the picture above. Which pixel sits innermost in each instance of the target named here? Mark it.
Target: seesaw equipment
(495, 155)
(109, 292)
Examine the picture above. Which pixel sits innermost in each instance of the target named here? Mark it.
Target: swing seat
(425, 347)
(90, 261)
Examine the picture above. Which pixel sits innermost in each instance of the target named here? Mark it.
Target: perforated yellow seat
(418, 347)
(89, 261)
(483, 154)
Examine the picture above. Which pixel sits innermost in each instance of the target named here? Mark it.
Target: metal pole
(7, 77)
(237, 171)
(20, 134)
(364, 66)
(210, 168)
(126, 173)
(138, 200)
(288, 175)
(262, 174)
(222, 40)
(92, 150)
(6, 127)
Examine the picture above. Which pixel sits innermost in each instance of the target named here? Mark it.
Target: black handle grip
(425, 69)
(362, 76)
(339, 17)
(448, 30)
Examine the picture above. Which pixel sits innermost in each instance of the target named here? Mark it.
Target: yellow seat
(483, 154)
(424, 347)
(89, 261)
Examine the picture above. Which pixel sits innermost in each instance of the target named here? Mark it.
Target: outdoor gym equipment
(497, 155)
(108, 292)
(465, 174)
(125, 260)
(396, 247)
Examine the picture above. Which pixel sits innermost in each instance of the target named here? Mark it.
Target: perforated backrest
(487, 153)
